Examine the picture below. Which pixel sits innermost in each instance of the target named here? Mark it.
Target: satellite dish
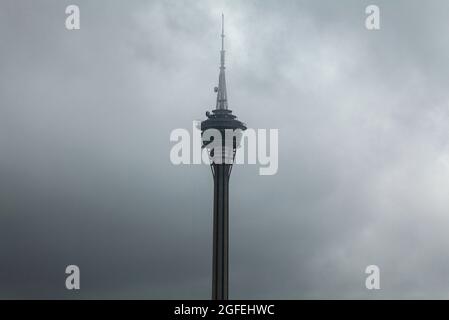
(216, 89)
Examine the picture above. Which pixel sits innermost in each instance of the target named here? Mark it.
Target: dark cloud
(85, 119)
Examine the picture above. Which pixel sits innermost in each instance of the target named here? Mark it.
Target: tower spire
(222, 98)
(222, 32)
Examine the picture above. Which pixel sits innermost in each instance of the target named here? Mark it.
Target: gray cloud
(85, 119)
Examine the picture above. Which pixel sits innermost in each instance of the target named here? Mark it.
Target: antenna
(222, 32)
(222, 99)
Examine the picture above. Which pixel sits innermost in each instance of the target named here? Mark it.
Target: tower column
(220, 273)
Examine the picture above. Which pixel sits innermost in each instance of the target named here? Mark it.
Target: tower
(221, 154)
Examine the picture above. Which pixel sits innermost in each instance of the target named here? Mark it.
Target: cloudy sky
(85, 174)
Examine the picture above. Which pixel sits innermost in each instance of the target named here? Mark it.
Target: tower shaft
(220, 272)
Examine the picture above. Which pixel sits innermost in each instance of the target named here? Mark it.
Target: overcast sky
(85, 174)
